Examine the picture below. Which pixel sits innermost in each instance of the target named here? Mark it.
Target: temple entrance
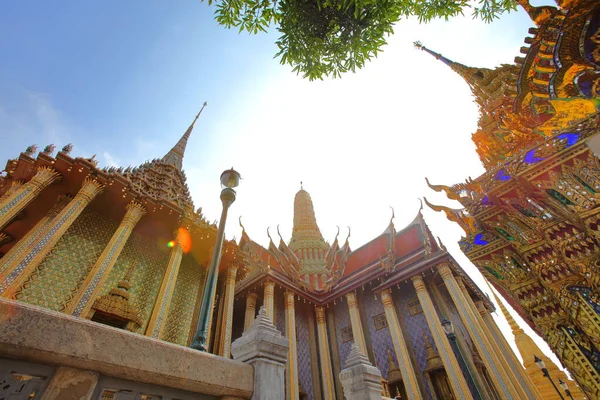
(441, 385)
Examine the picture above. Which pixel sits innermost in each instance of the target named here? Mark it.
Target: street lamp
(542, 365)
(449, 330)
(229, 180)
(564, 385)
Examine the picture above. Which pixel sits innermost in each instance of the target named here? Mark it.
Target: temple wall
(303, 348)
(279, 310)
(342, 321)
(381, 340)
(415, 327)
(189, 283)
(56, 279)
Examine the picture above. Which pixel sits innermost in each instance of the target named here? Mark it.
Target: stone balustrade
(68, 355)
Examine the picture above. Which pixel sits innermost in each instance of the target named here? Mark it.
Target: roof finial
(175, 155)
(301, 188)
(438, 56)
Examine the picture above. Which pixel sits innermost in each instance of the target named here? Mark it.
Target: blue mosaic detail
(530, 157)
(342, 320)
(278, 303)
(571, 138)
(8, 206)
(502, 176)
(381, 340)
(479, 240)
(303, 348)
(416, 326)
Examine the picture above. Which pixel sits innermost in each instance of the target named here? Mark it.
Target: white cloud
(110, 160)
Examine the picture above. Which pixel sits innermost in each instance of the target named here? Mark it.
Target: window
(414, 307)
(346, 334)
(380, 321)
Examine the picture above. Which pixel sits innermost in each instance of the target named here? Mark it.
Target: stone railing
(54, 355)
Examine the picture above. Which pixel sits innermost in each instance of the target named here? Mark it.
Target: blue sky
(124, 79)
(118, 72)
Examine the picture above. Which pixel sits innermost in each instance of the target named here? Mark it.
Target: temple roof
(163, 179)
(175, 155)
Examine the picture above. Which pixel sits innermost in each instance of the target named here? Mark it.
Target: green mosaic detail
(148, 273)
(55, 280)
(181, 312)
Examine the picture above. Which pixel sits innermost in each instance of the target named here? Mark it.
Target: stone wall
(82, 354)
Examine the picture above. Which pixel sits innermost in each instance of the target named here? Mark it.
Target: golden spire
(306, 233)
(528, 349)
(473, 76)
(175, 155)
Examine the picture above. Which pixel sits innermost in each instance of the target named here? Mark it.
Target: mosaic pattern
(39, 247)
(304, 362)
(342, 320)
(56, 279)
(416, 326)
(14, 201)
(107, 260)
(181, 312)
(147, 276)
(171, 281)
(381, 340)
(279, 311)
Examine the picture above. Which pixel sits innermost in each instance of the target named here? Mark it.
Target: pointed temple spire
(473, 76)
(306, 233)
(175, 155)
(528, 350)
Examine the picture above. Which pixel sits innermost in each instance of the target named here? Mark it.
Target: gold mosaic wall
(189, 281)
(148, 273)
(56, 279)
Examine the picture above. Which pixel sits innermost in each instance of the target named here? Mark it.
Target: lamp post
(564, 385)
(229, 180)
(542, 365)
(449, 330)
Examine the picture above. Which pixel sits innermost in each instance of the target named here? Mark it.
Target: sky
(123, 80)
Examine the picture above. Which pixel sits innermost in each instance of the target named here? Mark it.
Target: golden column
(406, 368)
(457, 380)
(357, 330)
(502, 383)
(514, 365)
(158, 318)
(88, 291)
(291, 370)
(268, 299)
(250, 310)
(225, 342)
(511, 371)
(326, 369)
(12, 204)
(48, 239)
(16, 253)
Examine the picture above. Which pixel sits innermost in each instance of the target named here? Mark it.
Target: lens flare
(184, 239)
(171, 244)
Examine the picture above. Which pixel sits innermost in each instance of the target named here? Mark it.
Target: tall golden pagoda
(531, 221)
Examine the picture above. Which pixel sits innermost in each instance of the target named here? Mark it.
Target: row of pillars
(29, 252)
(506, 372)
